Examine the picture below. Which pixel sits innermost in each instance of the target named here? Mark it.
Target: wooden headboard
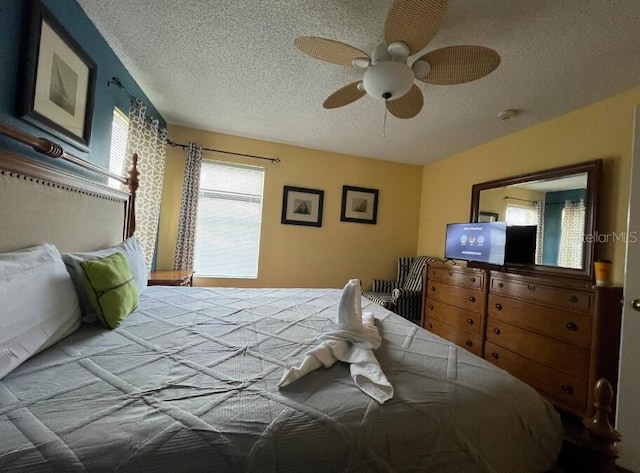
(40, 203)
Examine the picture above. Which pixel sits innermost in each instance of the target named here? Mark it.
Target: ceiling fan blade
(329, 50)
(459, 64)
(414, 22)
(407, 106)
(344, 96)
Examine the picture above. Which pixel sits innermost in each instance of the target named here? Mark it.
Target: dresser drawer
(461, 319)
(569, 326)
(457, 276)
(568, 358)
(565, 390)
(472, 343)
(465, 298)
(569, 299)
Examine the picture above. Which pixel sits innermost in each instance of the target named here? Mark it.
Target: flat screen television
(520, 245)
(483, 242)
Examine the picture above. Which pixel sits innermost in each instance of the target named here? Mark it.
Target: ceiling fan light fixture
(421, 68)
(361, 62)
(388, 74)
(398, 49)
(388, 80)
(380, 54)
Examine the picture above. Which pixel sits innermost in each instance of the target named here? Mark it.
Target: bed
(189, 381)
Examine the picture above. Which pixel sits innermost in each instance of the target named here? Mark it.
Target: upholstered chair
(404, 295)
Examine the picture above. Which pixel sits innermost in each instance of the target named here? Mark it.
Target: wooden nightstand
(171, 278)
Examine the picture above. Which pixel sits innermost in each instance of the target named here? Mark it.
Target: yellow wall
(299, 256)
(601, 130)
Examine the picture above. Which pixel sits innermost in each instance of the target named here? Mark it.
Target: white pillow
(132, 250)
(39, 304)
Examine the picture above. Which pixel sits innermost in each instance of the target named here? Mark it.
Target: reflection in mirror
(559, 205)
(554, 209)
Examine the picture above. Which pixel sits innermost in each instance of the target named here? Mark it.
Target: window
(229, 218)
(518, 215)
(118, 152)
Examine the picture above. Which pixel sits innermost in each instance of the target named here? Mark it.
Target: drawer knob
(531, 287)
(472, 299)
(572, 326)
(499, 306)
(433, 288)
(469, 343)
(470, 321)
(473, 279)
(500, 284)
(573, 299)
(567, 389)
(495, 356)
(496, 331)
(430, 325)
(430, 306)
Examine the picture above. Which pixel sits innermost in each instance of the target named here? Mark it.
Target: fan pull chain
(384, 123)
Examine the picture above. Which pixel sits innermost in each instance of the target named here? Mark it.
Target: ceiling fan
(410, 26)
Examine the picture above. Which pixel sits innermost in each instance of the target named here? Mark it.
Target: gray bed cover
(188, 383)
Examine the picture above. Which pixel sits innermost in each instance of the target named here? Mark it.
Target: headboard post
(132, 186)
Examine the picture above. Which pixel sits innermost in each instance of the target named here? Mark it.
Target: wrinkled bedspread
(188, 383)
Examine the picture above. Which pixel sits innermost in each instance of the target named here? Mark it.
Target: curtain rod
(545, 203)
(132, 98)
(524, 200)
(116, 81)
(183, 146)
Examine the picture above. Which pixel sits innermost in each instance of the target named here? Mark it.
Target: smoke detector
(505, 115)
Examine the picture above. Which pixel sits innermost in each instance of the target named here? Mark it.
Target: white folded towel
(351, 339)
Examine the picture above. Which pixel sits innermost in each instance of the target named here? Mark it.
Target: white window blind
(119, 137)
(229, 218)
(517, 215)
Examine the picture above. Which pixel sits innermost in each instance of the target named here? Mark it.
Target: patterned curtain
(572, 232)
(148, 140)
(539, 208)
(188, 209)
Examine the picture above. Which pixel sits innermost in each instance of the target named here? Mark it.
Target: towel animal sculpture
(350, 339)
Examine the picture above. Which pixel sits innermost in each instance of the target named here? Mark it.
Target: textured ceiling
(231, 66)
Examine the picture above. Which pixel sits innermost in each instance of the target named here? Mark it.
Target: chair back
(413, 281)
(404, 266)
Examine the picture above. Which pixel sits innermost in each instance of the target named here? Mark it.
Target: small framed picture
(487, 217)
(302, 206)
(59, 80)
(359, 205)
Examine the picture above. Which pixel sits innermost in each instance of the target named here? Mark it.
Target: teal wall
(78, 25)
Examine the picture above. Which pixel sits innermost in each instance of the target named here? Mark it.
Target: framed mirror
(556, 207)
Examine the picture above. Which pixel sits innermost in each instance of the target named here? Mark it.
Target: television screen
(520, 245)
(484, 242)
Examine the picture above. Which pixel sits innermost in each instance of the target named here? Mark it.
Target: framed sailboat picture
(59, 80)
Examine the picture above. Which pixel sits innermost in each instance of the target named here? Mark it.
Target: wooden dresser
(557, 334)
(454, 305)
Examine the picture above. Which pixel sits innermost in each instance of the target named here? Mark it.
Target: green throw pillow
(111, 288)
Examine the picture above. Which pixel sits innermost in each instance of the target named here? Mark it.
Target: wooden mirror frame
(594, 171)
